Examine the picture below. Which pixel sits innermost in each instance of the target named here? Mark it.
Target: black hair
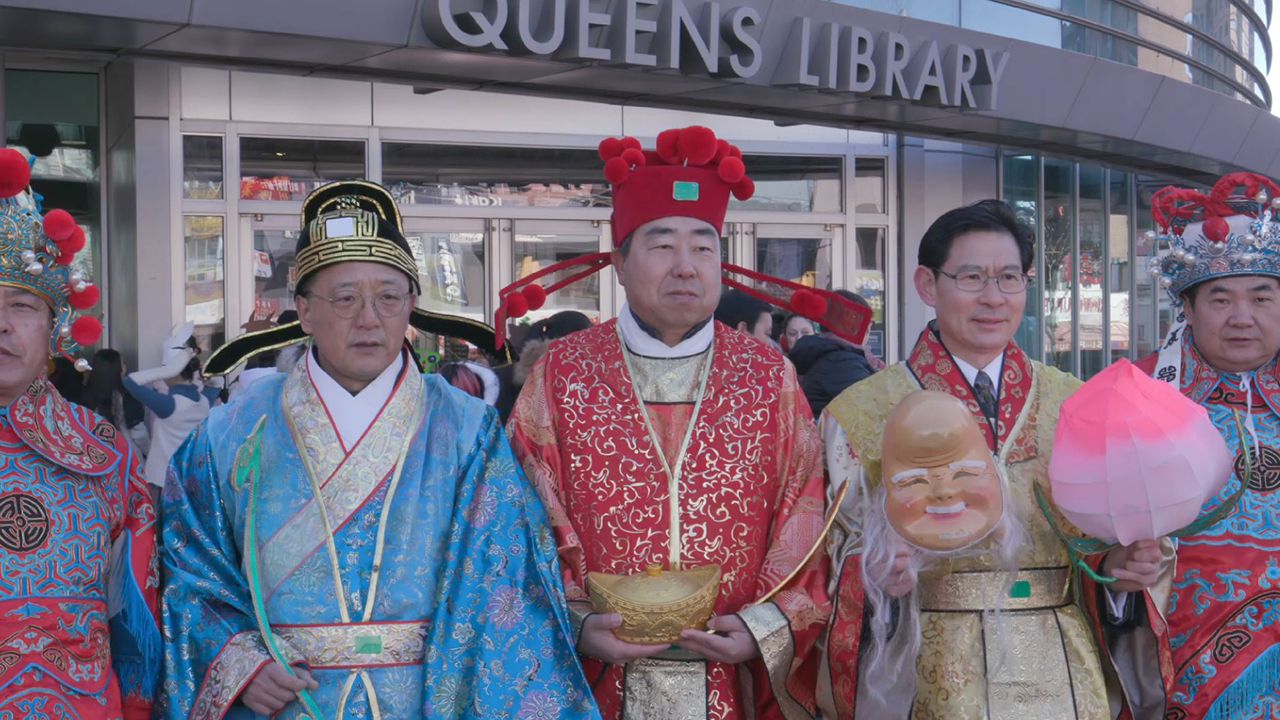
(559, 325)
(984, 215)
(193, 365)
(66, 379)
(103, 381)
(737, 306)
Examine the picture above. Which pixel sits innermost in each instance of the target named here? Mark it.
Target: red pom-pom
(744, 189)
(535, 296)
(722, 150)
(634, 157)
(735, 151)
(698, 144)
(610, 148)
(15, 172)
(86, 331)
(809, 304)
(616, 171)
(732, 170)
(517, 305)
(629, 142)
(68, 248)
(58, 225)
(669, 147)
(1216, 229)
(84, 299)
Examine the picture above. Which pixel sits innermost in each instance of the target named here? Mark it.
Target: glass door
(267, 270)
(799, 253)
(865, 275)
(451, 254)
(538, 244)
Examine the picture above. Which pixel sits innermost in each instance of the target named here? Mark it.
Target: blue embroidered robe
(423, 585)
(1224, 613)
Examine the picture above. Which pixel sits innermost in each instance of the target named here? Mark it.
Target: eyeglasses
(1009, 283)
(347, 305)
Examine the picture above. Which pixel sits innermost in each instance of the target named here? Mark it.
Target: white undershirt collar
(642, 343)
(353, 414)
(992, 370)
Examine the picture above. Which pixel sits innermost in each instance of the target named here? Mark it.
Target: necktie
(986, 393)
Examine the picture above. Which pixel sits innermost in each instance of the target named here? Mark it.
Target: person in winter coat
(828, 364)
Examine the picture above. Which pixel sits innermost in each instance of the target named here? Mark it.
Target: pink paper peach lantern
(1134, 459)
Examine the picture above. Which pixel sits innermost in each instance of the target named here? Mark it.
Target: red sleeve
(533, 438)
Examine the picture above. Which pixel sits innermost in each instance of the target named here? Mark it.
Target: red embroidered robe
(750, 498)
(79, 594)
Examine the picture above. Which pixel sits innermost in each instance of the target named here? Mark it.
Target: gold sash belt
(1038, 589)
(357, 644)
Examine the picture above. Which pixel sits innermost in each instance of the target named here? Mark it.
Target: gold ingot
(657, 604)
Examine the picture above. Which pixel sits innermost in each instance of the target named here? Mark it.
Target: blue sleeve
(501, 613)
(212, 647)
(161, 404)
(211, 394)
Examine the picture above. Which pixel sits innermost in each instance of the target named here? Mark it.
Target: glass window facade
(64, 138)
(274, 168)
(793, 183)
(493, 176)
(868, 280)
(537, 248)
(531, 177)
(1210, 43)
(204, 264)
(202, 167)
(1093, 299)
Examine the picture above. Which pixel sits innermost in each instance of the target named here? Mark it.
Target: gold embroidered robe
(1053, 667)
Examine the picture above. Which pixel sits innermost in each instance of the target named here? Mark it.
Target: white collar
(353, 414)
(992, 370)
(642, 343)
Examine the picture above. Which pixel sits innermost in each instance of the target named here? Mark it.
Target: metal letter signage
(726, 38)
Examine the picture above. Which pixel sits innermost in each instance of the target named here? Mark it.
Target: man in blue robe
(353, 538)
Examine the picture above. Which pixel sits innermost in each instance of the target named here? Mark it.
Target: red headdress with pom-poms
(1231, 230)
(36, 255)
(689, 173)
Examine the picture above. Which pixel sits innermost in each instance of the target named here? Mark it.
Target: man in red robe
(79, 590)
(666, 438)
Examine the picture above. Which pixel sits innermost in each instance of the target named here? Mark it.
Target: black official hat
(352, 221)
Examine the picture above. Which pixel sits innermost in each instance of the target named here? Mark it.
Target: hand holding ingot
(656, 605)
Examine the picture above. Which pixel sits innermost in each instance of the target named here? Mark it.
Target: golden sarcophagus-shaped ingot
(656, 604)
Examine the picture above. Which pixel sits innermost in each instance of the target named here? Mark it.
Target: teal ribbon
(245, 471)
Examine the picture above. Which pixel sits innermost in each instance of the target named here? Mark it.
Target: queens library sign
(728, 39)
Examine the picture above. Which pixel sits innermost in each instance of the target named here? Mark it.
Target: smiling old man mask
(942, 491)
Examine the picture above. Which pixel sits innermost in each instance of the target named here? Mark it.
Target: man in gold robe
(991, 643)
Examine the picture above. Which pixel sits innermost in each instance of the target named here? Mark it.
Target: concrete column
(936, 176)
(140, 196)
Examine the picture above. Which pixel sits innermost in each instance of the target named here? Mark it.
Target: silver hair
(887, 662)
